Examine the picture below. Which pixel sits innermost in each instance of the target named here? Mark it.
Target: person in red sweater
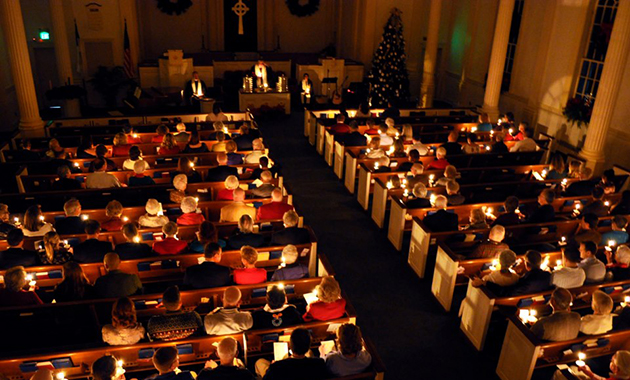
(121, 146)
(227, 194)
(341, 127)
(170, 245)
(169, 146)
(440, 162)
(190, 217)
(114, 211)
(275, 209)
(13, 293)
(330, 305)
(250, 274)
(160, 131)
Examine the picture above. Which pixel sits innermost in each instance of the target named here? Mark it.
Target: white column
(497, 58)
(427, 89)
(60, 39)
(608, 89)
(31, 123)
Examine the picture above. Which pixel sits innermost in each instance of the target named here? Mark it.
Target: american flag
(129, 71)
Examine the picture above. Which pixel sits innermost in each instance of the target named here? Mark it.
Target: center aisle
(395, 309)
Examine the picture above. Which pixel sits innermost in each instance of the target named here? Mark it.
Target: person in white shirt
(374, 148)
(258, 150)
(570, 275)
(228, 319)
(216, 114)
(100, 179)
(526, 145)
(595, 269)
(422, 149)
(601, 321)
(386, 140)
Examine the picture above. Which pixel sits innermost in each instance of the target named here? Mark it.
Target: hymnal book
(280, 350)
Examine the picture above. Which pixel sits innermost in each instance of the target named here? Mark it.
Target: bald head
(111, 261)
(276, 195)
(239, 195)
(222, 158)
(231, 297)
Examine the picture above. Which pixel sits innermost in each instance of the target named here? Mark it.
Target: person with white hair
(274, 209)
(266, 188)
(618, 264)
(290, 268)
(383, 165)
(258, 150)
(153, 218)
(291, 234)
(491, 248)
(619, 367)
(228, 319)
(440, 162)
(227, 194)
(503, 276)
(190, 215)
(180, 182)
(601, 321)
(420, 200)
(563, 324)
(139, 178)
(441, 220)
(181, 135)
(230, 367)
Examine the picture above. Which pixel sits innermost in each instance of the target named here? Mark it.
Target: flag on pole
(128, 65)
(77, 39)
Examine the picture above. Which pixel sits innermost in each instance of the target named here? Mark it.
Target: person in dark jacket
(92, 250)
(64, 182)
(72, 223)
(535, 280)
(132, 248)
(291, 234)
(222, 171)
(354, 138)
(75, 285)
(277, 312)
(545, 212)
(25, 153)
(115, 283)
(245, 140)
(509, 217)
(15, 255)
(227, 351)
(209, 274)
(245, 234)
(420, 193)
(442, 220)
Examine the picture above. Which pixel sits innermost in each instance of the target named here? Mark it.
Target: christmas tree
(388, 76)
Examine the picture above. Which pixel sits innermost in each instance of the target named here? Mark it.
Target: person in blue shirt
(292, 270)
(484, 123)
(618, 233)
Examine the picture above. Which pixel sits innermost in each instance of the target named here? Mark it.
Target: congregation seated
(132, 137)
(570, 275)
(618, 234)
(101, 155)
(132, 249)
(451, 146)
(113, 211)
(417, 175)
(13, 293)
(562, 324)
(190, 215)
(544, 212)
(349, 356)
(249, 274)
(417, 145)
(619, 367)
(25, 153)
(471, 146)
(5, 224)
(16, 255)
(258, 150)
(194, 145)
(245, 235)
(477, 219)
(374, 149)
(623, 207)
(228, 319)
(139, 178)
(222, 171)
(595, 270)
(160, 132)
(441, 220)
(450, 174)
(92, 250)
(290, 268)
(55, 251)
(413, 157)
(75, 285)
(60, 158)
(382, 165)
(166, 361)
(125, 328)
(216, 114)
(601, 321)
(453, 195)
(208, 274)
(398, 149)
(584, 186)
(186, 166)
(299, 362)
(420, 200)
(86, 147)
(153, 218)
(291, 234)
(170, 244)
(354, 137)
(556, 168)
(534, 279)
(229, 367)
(618, 266)
(135, 155)
(264, 190)
(329, 304)
(491, 247)
(503, 276)
(276, 312)
(72, 223)
(169, 146)
(587, 229)
(264, 164)
(100, 179)
(181, 135)
(596, 206)
(180, 182)
(510, 217)
(340, 128)
(116, 283)
(440, 162)
(63, 181)
(219, 146)
(233, 158)
(246, 137)
(206, 234)
(274, 209)
(120, 146)
(227, 194)
(499, 145)
(233, 211)
(176, 323)
(527, 144)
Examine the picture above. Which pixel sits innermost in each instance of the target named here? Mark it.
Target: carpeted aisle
(414, 336)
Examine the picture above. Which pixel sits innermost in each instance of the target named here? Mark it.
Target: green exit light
(44, 35)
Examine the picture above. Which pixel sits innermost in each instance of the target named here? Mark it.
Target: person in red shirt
(520, 135)
(330, 305)
(227, 194)
(132, 138)
(121, 146)
(440, 162)
(250, 274)
(341, 127)
(170, 245)
(114, 211)
(168, 146)
(13, 293)
(161, 131)
(275, 209)
(191, 216)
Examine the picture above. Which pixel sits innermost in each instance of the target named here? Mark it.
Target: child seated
(601, 321)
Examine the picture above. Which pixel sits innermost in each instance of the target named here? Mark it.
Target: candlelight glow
(125, 219)
(41, 217)
(389, 185)
(85, 217)
(473, 129)
(136, 239)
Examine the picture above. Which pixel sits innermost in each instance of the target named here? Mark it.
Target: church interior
(314, 189)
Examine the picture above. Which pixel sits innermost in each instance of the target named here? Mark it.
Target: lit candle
(76, 164)
(607, 203)
(197, 199)
(389, 185)
(495, 265)
(136, 239)
(523, 314)
(511, 130)
(625, 302)
(225, 130)
(135, 135)
(544, 173)
(390, 150)
(60, 376)
(283, 263)
(545, 263)
(532, 316)
(41, 217)
(191, 164)
(431, 178)
(473, 129)
(488, 148)
(85, 217)
(406, 193)
(432, 199)
(376, 166)
(65, 243)
(491, 133)
(125, 219)
(16, 220)
(564, 182)
(368, 150)
(580, 362)
(558, 263)
(397, 134)
(281, 286)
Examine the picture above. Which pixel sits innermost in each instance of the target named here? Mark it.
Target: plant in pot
(109, 83)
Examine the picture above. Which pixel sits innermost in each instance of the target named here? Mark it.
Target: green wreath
(302, 10)
(178, 7)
